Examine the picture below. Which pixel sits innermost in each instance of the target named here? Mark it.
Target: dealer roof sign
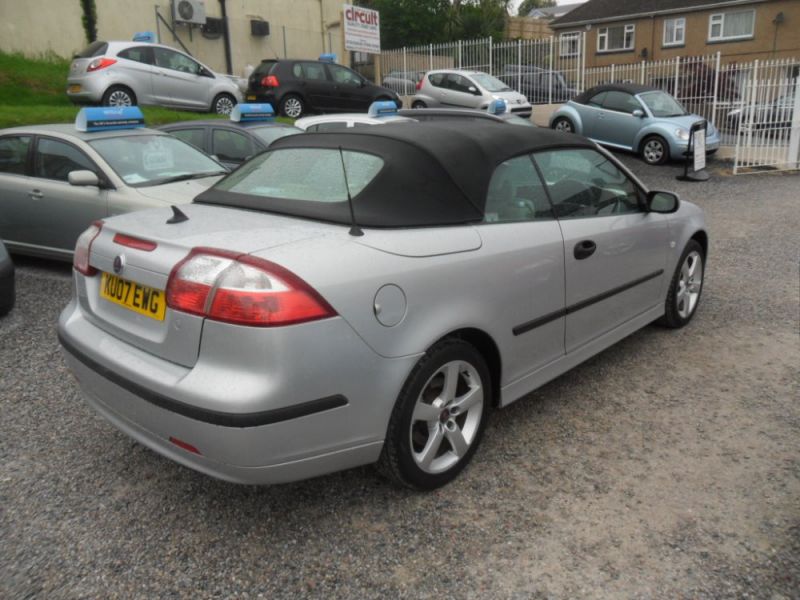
(362, 29)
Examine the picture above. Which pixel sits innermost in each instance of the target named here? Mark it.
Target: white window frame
(602, 34)
(680, 25)
(568, 39)
(719, 18)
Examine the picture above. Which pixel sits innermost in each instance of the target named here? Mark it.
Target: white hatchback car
(131, 73)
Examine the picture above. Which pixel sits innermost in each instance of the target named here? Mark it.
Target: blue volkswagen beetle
(643, 119)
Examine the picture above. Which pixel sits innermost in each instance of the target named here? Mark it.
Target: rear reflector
(244, 290)
(185, 446)
(83, 248)
(132, 242)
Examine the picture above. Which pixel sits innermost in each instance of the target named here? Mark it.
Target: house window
(675, 32)
(615, 38)
(736, 25)
(570, 43)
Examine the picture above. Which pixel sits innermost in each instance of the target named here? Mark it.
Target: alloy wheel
(690, 282)
(653, 151)
(119, 98)
(293, 108)
(447, 417)
(224, 106)
(563, 125)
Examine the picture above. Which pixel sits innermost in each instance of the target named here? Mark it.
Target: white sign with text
(699, 149)
(362, 29)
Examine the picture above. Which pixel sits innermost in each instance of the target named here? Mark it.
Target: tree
(528, 5)
(411, 22)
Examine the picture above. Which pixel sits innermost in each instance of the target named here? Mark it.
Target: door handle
(584, 249)
(36, 194)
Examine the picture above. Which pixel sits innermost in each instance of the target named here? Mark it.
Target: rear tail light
(83, 248)
(419, 85)
(270, 81)
(100, 63)
(241, 289)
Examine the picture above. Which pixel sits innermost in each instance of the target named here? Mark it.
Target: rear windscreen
(93, 49)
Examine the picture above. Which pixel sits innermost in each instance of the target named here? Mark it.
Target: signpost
(362, 29)
(697, 152)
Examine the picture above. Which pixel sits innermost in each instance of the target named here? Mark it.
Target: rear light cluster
(270, 81)
(83, 247)
(100, 63)
(241, 289)
(419, 85)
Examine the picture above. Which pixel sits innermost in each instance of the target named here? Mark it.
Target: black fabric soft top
(434, 173)
(630, 88)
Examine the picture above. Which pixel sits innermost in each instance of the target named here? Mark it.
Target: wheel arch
(570, 113)
(701, 237)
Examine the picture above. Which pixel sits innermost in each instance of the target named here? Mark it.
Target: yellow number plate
(251, 98)
(74, 89)
(133, 296)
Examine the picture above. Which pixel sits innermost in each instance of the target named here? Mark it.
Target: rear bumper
(86, 90)
(248, 425)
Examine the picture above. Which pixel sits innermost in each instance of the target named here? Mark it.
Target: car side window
(14, 154)
(231, 146)
(458, 83)
(142, 54)
(196, 137)
(585, 183)
(516, 193)
(54, 159)
(344, 75)
(310, 71)
(169, 59)
(438, 79)
(597, 99)
(621, 102)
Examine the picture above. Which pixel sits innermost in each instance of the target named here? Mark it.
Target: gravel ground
(667, 466)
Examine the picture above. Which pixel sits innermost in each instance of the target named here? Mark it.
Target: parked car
(403, 82)
(7, 286)
(132, 73)
(55, 180)
(379, 113)
(371, 296)
(232, 142)
(776, 114)
(447, 88)
(642, 119)
(537, 84)
(297, 87)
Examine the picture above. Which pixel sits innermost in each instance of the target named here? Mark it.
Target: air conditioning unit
(189, 11)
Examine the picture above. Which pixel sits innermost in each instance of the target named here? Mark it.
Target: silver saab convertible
(352, 298)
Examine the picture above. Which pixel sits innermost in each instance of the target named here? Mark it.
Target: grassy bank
(32, 91)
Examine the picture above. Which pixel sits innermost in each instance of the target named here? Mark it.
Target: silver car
(56, 180)
(7, 286)
(467, 89)
(132, 73)
(371, 296)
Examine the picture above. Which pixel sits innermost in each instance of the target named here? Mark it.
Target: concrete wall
(298, 28)
(650, 31)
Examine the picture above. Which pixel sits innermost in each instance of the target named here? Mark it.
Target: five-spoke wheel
(685, 287)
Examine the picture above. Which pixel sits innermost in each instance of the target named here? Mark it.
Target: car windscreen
(269, 134)
(662, 104)
(489, 83)
(145, 160)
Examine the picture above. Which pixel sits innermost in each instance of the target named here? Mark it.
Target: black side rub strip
(530, 325)
(215, 417)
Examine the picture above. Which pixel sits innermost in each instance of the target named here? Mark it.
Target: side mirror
(638, 113)
(472, 89)
(83, 179)
(662, 202)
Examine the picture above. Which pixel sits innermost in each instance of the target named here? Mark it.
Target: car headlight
(682, 134)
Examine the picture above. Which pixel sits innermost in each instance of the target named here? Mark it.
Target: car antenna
(355, 230)
(178, 216)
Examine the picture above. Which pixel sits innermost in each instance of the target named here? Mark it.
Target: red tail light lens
(83, 248)
(243, 290)
(100, 63)
(270, 81)
(419, 85)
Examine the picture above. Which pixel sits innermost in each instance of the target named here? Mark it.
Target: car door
(348, 88)
(616, 123)
(138, 62)
(230, 147)
(315, 85)
(590, 113)
(60, 212)
(178, 80)
(16, 189)
(614, 251)
(459, 94)
(523, 241)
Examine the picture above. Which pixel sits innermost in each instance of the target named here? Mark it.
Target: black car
(538, 85)
(297, 87)
(230, 142)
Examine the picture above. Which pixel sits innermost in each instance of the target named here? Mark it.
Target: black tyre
(418, 104)
(655, 150)
(223, 104)
(292, 106)
(119, 95)
(439, 418)
(563, 124)
(685, 289)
